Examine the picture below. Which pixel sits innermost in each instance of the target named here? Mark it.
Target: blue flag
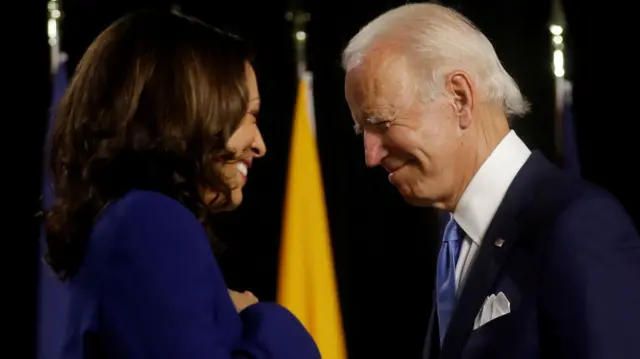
(52, 295)
(570, 157)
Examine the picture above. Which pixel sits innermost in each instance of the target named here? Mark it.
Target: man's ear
(460, 88)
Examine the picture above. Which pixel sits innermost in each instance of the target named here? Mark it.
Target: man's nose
(374, 151)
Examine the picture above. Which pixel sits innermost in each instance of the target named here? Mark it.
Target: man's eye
(372, 124)
(380, 125)
(378, 122)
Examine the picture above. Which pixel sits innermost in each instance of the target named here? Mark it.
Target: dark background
(384, 249)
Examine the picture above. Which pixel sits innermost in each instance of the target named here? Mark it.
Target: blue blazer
(570, 267)
(150, 288)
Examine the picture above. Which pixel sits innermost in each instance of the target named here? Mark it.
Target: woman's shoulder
(146, 234)
(142, 204)
(141, 209)
(147, 226)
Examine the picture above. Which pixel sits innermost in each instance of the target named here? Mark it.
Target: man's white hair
(440, 40)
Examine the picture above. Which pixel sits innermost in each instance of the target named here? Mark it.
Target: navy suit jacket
(570, 267)
(150, 288)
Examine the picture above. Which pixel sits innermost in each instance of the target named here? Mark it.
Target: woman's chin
(236, 199)
(217, 202)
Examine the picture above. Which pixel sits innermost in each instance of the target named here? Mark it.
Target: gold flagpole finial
(299, 20)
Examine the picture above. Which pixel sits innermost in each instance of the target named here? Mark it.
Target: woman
(156, 132)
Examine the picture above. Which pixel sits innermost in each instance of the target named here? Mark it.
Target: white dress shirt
(483, 196)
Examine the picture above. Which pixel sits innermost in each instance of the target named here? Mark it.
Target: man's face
(417, 142)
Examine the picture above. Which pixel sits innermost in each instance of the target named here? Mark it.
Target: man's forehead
(378, 78)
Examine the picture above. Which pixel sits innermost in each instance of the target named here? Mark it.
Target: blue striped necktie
(446, 275)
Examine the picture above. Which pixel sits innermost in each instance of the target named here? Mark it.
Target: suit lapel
(500, 237)
(481, 278)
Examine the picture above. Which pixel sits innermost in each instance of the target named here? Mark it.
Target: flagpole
(556, 28)
(299, 19)
(53, 31)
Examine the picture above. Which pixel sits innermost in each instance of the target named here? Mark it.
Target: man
(534, 263)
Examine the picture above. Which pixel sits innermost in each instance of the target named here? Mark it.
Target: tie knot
(453, 232)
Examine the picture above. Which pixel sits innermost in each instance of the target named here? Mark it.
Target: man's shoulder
(585, 221)
(564, 199)
(564, 190)
(588, 205)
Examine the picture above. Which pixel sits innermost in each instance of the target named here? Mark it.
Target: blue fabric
(150, 287)
(446, 275)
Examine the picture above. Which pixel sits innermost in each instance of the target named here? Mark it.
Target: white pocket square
(495, 306)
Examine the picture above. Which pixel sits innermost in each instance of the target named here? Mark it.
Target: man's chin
(414, 200)
(418, 202)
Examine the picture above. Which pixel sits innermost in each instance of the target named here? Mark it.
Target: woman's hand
(242, 300)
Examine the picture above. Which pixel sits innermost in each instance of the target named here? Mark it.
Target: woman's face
(246, 143)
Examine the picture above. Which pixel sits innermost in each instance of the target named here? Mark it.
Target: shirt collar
(482, 197)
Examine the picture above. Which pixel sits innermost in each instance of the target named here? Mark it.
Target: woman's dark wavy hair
(151, 106)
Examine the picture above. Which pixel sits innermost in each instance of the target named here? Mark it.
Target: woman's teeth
(242, 168)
